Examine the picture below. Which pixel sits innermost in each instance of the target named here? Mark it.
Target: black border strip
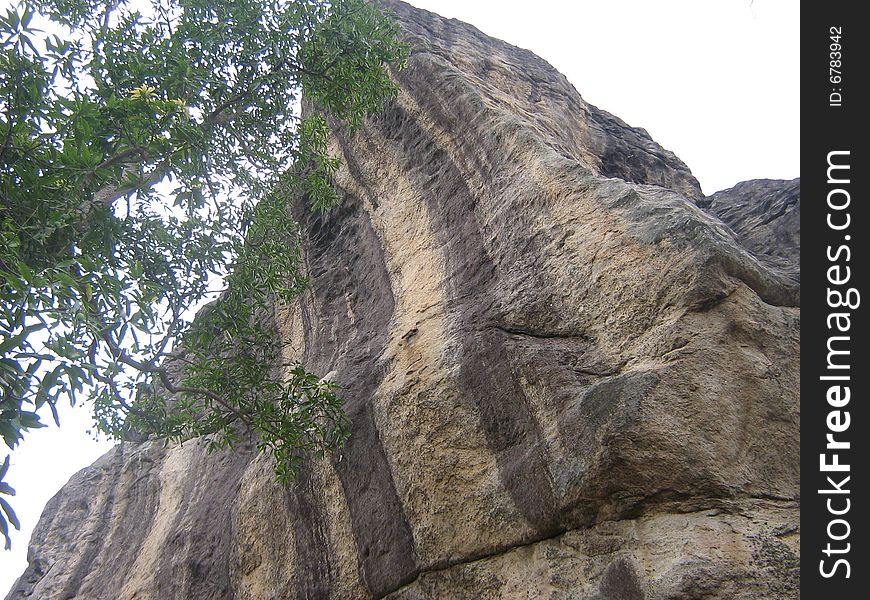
(834, 265)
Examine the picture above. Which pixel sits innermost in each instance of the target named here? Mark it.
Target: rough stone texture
(687, 555)
(566, 379)
(766, 216)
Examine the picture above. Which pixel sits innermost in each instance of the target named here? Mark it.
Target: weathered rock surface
(566, 379)
(765, 214)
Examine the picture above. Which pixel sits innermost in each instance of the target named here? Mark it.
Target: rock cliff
(570, 375)
(766, 217)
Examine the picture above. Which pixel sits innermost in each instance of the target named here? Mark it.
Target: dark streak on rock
(305, 511)
(349, 281)
(620, 582)
(511, 431)
(195, 561)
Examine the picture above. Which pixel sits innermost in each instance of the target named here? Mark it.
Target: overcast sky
(716, 82)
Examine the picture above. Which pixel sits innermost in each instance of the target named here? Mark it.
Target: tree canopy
(149, 152)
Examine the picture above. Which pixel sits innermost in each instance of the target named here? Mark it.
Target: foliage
(145, 156)
(6, 511)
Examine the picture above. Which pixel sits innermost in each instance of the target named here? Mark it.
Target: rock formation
(567, 378)
(766, 216)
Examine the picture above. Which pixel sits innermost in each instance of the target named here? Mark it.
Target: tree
(146, 154)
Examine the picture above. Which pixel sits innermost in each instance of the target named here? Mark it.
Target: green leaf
(10, 514)
(30, 420)
(10, 433)
(43, 394)
(25, 272)
(12, 342)
(29, 42)
(4, 529)
(54, 415)
(65, 279)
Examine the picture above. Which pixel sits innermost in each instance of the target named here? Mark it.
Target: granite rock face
(765, 214)
(567, 379)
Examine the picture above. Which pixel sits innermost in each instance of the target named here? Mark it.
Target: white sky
(715, 81)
